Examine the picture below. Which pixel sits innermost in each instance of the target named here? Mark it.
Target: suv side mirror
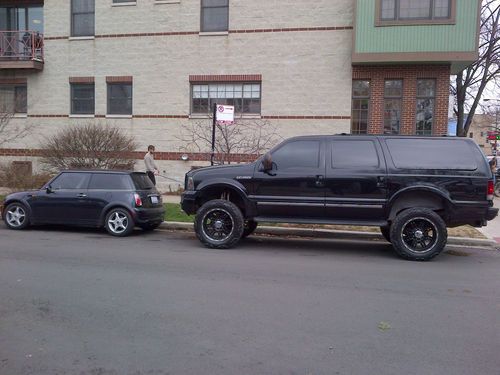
(267, 163)
(49, 189)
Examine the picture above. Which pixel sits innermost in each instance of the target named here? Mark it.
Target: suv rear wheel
(219, 224)
(418, 234)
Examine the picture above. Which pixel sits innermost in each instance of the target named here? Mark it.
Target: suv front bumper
(188, 202)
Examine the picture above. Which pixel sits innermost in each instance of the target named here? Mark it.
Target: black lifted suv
(413, 188)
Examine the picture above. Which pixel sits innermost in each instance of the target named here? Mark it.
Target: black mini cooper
(117, 200)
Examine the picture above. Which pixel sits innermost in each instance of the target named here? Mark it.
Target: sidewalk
(492, 230)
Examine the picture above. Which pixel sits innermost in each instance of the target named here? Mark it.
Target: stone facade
(302, 50)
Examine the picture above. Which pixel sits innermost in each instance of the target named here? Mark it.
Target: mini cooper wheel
(249, 228)
(16, 216)
(418, 234)
(119, 223)
(219, 224)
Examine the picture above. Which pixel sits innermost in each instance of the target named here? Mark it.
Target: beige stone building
(151, 67)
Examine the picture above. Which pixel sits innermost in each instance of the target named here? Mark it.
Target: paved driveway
(81, 302)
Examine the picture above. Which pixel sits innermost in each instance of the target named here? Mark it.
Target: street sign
(225, 114)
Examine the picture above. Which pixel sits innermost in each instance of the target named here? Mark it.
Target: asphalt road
(81, 302)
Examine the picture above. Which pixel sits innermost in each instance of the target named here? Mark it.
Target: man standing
(151, 168)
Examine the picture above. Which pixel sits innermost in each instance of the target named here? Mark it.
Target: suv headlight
(190, 183)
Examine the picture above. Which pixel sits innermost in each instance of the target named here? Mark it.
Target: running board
(367, 223)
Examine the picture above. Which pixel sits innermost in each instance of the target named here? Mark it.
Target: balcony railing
(21, 49)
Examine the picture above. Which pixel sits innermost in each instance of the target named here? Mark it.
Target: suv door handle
(320, 180)
(381, 181)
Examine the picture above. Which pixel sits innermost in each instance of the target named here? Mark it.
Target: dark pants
(151, 176)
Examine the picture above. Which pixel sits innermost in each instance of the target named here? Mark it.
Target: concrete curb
(335, 234)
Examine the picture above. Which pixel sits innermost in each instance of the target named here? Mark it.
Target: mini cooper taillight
(138, 200)
(491, 190)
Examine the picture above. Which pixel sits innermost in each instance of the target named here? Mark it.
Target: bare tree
(92, 146)
(471, 83)
(9, 129)
(246, 137)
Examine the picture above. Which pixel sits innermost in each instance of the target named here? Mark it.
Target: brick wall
(409, 74)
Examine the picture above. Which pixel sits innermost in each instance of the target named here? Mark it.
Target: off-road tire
(386, 232)
(249, 228)
(122, 213)
(22, 208)
(403, 219)
(230, 211)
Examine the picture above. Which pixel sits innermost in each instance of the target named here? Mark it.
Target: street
(81, 302)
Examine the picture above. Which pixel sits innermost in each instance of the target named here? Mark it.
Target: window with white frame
(82, 18)
(214, 15)
(245, 97)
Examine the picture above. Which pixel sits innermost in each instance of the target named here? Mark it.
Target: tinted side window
(354, 154)
(297, 154)
(103, 181)
(141, 181)
(432, 154)
(71, 181)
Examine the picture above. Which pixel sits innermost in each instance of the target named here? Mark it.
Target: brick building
(150, 67)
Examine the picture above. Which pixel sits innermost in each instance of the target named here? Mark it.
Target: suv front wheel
(219, 224)
(418, 234)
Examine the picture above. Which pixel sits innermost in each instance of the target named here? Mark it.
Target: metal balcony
(21, 49)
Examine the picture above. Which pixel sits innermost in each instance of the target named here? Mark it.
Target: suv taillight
(138, 200)
(491, 190)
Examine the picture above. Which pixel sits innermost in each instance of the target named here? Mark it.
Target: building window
(392, 10)
(119, 98)
(214, 15)
(82, 17)
(13, 99)
(426, 92)
(360, 107)
(82, 98)
(245, 97)
(393, 100)
(21, 17)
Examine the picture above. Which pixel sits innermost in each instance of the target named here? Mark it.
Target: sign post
(223, 115)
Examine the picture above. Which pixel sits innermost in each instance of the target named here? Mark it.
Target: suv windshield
(141, 181)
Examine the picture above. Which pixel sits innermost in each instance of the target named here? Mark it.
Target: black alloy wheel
(418, 234)
(219, 224)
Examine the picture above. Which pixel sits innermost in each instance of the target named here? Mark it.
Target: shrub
(16, 177)
(91, 146)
